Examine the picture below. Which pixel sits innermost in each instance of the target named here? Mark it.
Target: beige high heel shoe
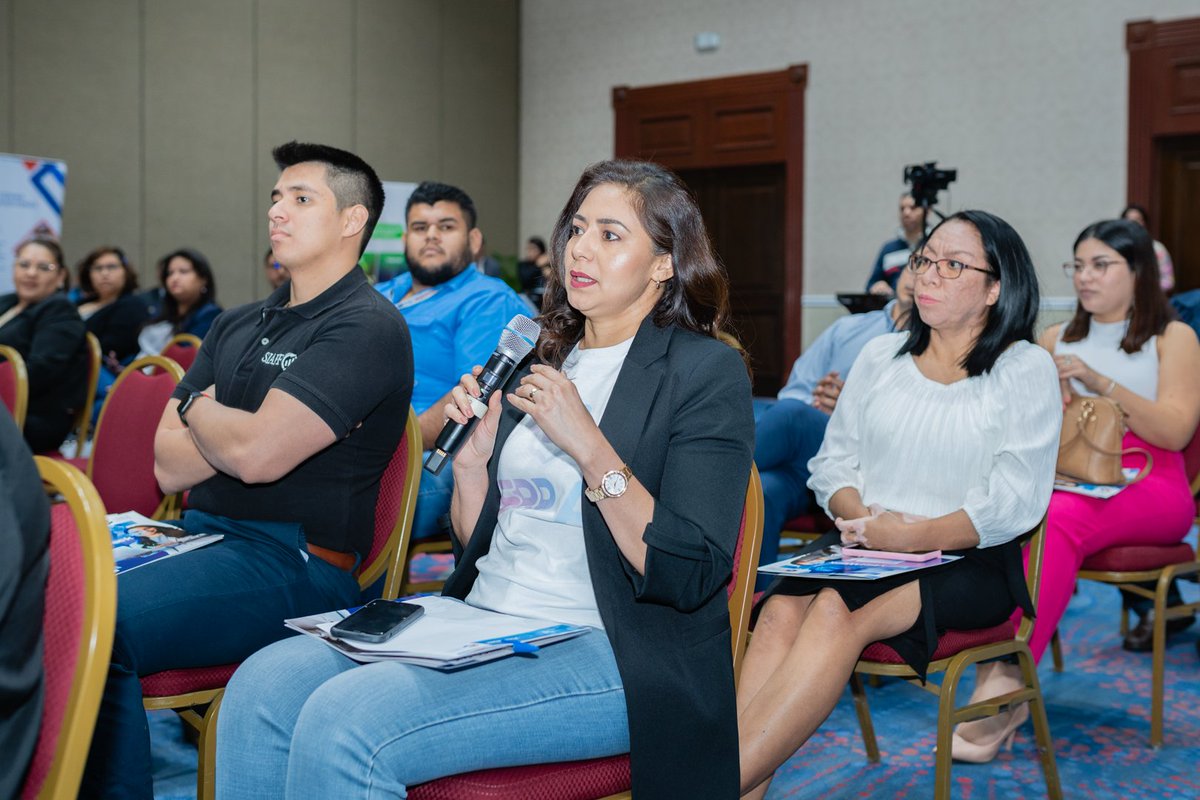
(982, 752)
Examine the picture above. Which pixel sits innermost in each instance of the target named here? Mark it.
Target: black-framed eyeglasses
(948, 268)
(40, 266)
(1099, 267)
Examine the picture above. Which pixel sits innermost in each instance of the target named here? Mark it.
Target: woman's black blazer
(50, 337)
(680, 416)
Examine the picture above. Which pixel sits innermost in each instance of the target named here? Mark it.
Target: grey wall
(166, 110)
(1027, 98)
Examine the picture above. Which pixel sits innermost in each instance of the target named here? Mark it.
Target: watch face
(614, 484)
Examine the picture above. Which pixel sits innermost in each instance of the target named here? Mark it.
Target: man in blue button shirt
(790, 432)
(455, 316)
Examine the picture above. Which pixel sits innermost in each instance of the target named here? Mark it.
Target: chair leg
(947, 703)
(1158, 662)
(1041, 725)
(864, 717)
(206, 763)
(1056, 652)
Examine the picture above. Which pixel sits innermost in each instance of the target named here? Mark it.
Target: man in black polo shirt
(282, 429)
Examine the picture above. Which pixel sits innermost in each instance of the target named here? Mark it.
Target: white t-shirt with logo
(537, 565)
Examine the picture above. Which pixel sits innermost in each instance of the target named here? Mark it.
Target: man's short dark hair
(352, 180)
(431, 192)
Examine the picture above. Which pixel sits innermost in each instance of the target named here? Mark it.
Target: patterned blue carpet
(1099, 710)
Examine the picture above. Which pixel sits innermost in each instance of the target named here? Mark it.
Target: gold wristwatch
(612, 484)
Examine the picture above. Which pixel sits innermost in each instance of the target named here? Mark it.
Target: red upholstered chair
(956, 652)
(1127, 567)
(122, 461)
(609, 778)
(182, 349)
(14, 384)
(80, 612)
(195, 694)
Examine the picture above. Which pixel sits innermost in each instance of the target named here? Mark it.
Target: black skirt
(980, 590)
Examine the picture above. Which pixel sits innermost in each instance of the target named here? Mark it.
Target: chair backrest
(745, 569)
(83, 420)
(80, 615)
(1033, 576)
(182, 349)
(394, 510)
(1191, 461)
(122, 461)
(14, 384)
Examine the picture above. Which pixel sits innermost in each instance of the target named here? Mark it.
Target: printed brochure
(829, 563)
(138, 540)
(449, 635)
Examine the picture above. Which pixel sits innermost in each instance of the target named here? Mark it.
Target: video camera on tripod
(927, 180)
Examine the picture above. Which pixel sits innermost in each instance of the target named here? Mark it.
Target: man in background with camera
(893, 256)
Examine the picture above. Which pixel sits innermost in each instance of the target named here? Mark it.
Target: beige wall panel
(6, 64)
(76, 95)
(199, 151)
(304, 86)
(1027, 99)
(398, 87)
(479, 111)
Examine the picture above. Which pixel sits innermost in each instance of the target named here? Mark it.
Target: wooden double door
(1164, 136)
(738, 143)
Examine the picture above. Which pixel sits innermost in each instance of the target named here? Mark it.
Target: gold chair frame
(83, 420)
(954, 667)
(200, 709)
(189, 339)
(99, 622)
(21, 376)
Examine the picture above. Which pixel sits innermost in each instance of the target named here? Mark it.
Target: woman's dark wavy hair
(1150, 311)
(85, 270)
(1012, 317)
(170, 306)
(696, 298)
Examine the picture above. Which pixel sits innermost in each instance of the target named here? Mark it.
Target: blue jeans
(433, 500)
(786, 436)
(215, 605)
(301, 720)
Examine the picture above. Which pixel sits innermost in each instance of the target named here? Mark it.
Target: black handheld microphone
(516, 342)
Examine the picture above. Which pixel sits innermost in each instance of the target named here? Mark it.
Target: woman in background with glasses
(1123, 344)
(944, 437)
(41, 324)
(108, 304)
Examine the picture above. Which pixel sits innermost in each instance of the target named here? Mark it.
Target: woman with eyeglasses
(944, 438)
(1123, 344)
(41, 324)
(109, 306)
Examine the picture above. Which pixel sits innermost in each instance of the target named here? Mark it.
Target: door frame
(1164, 99)
(733, 121)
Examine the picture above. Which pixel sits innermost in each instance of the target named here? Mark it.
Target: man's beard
(427, 276)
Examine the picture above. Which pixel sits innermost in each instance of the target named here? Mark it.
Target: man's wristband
(187, 404)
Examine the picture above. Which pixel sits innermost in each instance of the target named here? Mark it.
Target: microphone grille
(519, 337)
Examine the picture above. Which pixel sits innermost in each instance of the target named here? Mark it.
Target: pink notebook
(891, 555)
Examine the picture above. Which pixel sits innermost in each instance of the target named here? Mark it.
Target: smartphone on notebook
(891, 555)
(377, 621)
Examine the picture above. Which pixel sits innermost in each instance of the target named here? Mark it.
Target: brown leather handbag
(1089, 448)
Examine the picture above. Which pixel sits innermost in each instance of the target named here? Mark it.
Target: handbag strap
(1127, 451)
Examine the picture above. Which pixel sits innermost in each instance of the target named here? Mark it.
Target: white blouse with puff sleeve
(986, 444)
